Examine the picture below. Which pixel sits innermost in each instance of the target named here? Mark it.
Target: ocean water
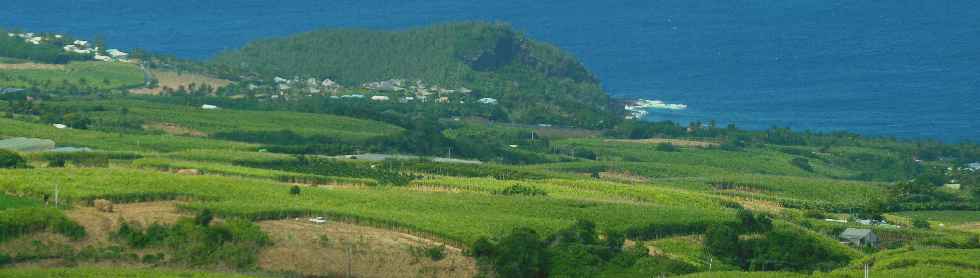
(903, 68)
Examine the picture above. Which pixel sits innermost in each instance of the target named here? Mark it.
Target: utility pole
(350, 271)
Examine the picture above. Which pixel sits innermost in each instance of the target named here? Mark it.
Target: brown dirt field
(175, 129)
(759, 205)
(99, 224)
(969, 227)
(31, 66)
(376, 252)
(623, 177)
(174, 80)
(675, 142)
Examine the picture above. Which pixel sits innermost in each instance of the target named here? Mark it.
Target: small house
(859, 237)
(487, 100)
(115, 53)
(209, 107)
(103, 58)
(380, 98)
(973, 166)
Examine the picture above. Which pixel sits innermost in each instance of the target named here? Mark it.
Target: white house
(103, 58)
(80, 43)
(487, 100)
(209, 107)
(380, 98)
(115, 53)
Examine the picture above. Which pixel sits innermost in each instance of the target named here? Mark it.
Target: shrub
(9, 159)
(518, 189)
(15, 222)
(434, 253)
(103, 205)
(815, 214)
(204, 217)
(920, 223)
(666, 147)
(802, 163)
(294, 190)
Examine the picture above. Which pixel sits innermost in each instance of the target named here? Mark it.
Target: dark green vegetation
(19, 221)
(9, 159)
(49, 52)
(622, 199)
(197, 242)
(536, 82)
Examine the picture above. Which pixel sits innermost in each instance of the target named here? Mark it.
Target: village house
(487, 100)
(859, 237)
(380, 98)
(973, 166)
(116, 54)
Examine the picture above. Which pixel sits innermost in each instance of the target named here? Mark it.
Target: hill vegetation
(536, 82)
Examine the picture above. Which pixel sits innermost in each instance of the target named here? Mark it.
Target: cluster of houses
(30, 38)
(389, 90)
(77, 46)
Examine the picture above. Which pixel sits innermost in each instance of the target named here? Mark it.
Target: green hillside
(537, 82)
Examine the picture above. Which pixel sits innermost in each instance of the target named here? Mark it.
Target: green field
(114, 142)
(227, 120)
(948, 217)
(9, 202)
(459, 217)
(96, 75)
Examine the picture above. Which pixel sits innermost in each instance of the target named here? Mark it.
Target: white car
(318, 220)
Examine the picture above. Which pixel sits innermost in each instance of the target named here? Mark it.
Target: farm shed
(859, 237)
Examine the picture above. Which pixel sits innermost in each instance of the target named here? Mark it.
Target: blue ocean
(902, 68)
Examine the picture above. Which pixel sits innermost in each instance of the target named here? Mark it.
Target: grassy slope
(211, 121)
(114, 142)
(949, 217)
(455, 216)
(118, 75)
(9, 202)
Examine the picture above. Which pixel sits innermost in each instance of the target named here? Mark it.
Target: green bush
(920, 223)
(294, 190)
(19, 221)
(9, 159)
(666, 147)
(234, 243)
(802, 163)
(518, 189)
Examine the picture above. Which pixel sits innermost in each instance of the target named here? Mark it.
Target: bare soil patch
(329, 249)
(175, 129)
(31, 66)
(99, 225)
(675, 142)
(174, 80)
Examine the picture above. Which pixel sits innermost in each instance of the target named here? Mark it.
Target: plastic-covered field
(26, 144)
